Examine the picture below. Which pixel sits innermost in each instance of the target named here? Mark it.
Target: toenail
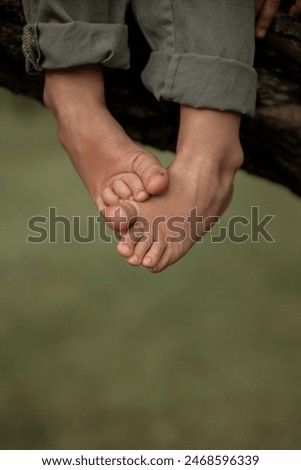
(147, 260)
(133, 259)
(141, 195)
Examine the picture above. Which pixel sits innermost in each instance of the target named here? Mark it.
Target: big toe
(152, 174)
(120, 218)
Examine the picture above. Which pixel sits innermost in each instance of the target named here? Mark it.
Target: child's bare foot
(201, 182)
(110, 164)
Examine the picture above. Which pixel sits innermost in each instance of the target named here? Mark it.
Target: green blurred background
(98, 355)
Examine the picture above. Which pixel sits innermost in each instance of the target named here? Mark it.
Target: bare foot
(200, 188)
(110, 164)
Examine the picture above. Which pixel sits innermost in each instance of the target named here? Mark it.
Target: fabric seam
(173, 25)
(171, 75)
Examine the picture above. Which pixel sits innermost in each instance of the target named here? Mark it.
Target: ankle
(209, 137)
(73, 90)
(220, 160)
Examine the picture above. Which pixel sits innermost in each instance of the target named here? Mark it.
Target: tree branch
(271, 141)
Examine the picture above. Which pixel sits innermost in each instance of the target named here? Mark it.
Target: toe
(163, 262)
(126, 247)
(127, 244)
(152, 174)
(121, 217)
(136, 186)
(121, 189)
(140, 249)
(109, 197)
(154, 254)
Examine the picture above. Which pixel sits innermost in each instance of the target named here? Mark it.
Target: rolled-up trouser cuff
(63, 45)
(202, 81)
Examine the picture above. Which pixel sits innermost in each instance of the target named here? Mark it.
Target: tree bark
(271, 140)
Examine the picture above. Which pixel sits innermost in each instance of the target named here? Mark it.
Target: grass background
(95, 354)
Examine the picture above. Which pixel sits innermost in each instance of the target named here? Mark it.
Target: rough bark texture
(272, 140)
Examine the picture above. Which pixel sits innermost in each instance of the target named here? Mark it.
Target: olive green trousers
(202, 51)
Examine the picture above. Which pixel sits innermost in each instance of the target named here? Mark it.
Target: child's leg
(71, 41)
(107, 160)
(202, 59)
(200, 188)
